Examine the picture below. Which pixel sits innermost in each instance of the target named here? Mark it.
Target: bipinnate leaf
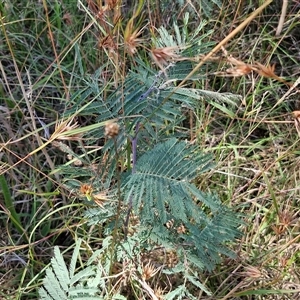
(58, 284)
(53, 287)
(176, 213)
(60, 269)
(160, 186)
(74, 258)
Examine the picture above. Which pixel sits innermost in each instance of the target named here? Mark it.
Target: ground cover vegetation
(149, 149)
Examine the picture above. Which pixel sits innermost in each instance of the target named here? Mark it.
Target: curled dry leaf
(162, 56)
(149, 270)
(100, 198)
(86, 190)
(240, 70)
(266, 71)
(107, 42)
(131, 37)
(62, 130)
(132, 41)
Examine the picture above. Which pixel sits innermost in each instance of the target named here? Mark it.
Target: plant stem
(115, 231)
(134, 154)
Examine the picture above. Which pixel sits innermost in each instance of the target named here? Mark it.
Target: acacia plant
(141, 187)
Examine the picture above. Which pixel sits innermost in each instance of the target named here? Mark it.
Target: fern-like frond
(161, 190)
(53, 287)
(162, 176)
(74, 259)
(61, 283)
(60, 269)
(207, 6)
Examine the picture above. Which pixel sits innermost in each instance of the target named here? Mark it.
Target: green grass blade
(14, 216)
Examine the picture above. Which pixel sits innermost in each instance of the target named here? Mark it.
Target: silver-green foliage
(65, 283)
(160, 187)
